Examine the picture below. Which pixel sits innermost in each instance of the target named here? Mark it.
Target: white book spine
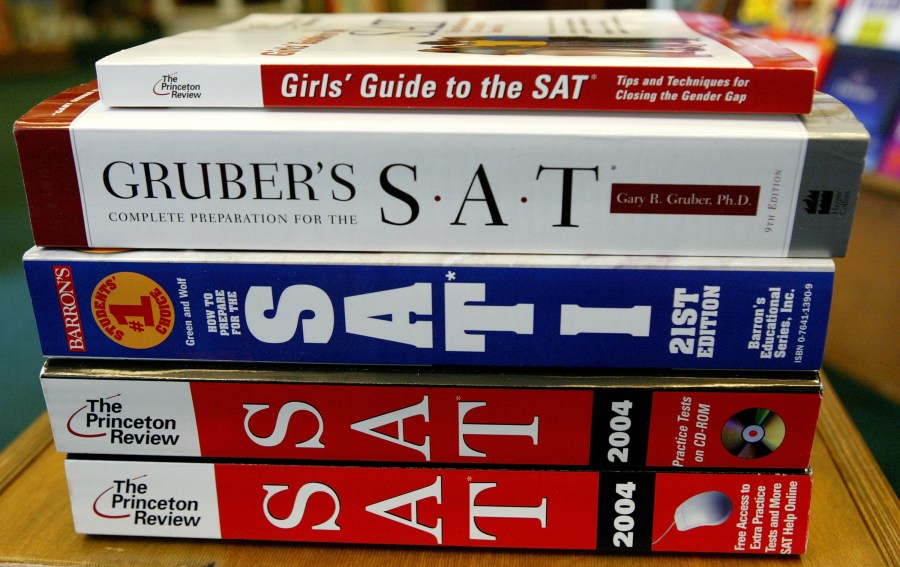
(707, 185)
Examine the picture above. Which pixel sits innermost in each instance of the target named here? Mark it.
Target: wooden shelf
(855, 521)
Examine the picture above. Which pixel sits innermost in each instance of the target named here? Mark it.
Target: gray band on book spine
(830, 184)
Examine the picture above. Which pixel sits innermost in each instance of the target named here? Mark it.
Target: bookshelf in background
(865, 73)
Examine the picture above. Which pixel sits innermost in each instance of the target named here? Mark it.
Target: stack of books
(552, 280)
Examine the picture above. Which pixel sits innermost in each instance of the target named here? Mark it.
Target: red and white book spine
(628, 512)
(432, 417)
(623, 60)
(432, 181)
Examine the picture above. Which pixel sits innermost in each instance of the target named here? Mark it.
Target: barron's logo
(68, 306)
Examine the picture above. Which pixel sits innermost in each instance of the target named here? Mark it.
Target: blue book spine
(537, 311)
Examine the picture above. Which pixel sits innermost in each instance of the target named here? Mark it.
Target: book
(867, 81)
(632, 60)
(625, 512)
(594, 420)
(442, 309)
(869, 23)
(429, 181)
(805, 28)
(890, 159)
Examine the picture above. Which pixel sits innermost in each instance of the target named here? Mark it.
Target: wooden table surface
(855, 521)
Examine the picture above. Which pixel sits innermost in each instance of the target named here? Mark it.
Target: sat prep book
(401, 414)
(459, 310)
(638, 60)
(440, 181)
(633, 512)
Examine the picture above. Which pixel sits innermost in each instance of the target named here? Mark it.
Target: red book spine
(636, 512)
(576, 427)
(562, 88)
(594, 427)
(48, 166)
(760, 88)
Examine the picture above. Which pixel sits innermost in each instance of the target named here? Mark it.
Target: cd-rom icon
(753, 433)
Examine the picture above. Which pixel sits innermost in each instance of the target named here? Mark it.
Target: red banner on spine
(661, 199)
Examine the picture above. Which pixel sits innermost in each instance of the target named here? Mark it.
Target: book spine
(599, 427)
(751, 90)
(752, 75)
(634, 512)
(50, 169)
(283, 181)
(448, 313)
(469, 87)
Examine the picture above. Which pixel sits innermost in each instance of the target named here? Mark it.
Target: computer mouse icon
(704, 509)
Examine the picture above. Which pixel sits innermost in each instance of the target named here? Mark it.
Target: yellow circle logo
(133, 310)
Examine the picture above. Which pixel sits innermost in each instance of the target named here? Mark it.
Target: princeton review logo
(107, 419)
(170, 86)
(132, 310)
(131, 500)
